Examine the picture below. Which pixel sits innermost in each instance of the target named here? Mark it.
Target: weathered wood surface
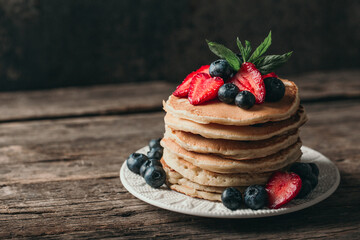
(59, 178)
(141, 97)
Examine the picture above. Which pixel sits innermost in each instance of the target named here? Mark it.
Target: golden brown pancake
(229, 148)
(226, 114)
(242, 133)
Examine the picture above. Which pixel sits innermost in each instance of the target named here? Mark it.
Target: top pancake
(226, 114)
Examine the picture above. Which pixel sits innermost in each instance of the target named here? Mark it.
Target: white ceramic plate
(329, 179)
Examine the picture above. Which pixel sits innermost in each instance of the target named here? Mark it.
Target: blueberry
(314, 168)
(228, 92)
(147, 164)
(301, 169)
(313, 180)
(134, 162)
(155, 176)
(155, 143)
(221, 68)
(255, 197)
(231, 198)
(245, 99)
(275, 89)
(155, 153)
(305, 189)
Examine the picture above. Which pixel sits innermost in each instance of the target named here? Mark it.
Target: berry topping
(155, 143)
(183, 89)
(301, 169)
(249, 79)
(272, 74)
(231, 198)
(155, 176)
(147, 164)
(275, 89)
(305, 189)
(155, 153)
(204, 88)
(227, 93)
(245, 100)
(221, 68)
(255, 197)
(134, 162)
(282, 187)
(315, 169)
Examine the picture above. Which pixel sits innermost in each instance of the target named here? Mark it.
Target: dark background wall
(53, 43)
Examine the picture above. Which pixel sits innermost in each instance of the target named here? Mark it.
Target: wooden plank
(117, 99)
(64, 182)
(84, 101)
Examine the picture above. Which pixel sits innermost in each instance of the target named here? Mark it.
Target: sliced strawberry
(249, 78)
(272, 74)
(204, 88)
(282, 187)
(183, 89)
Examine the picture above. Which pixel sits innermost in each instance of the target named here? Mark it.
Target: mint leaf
(261, 49)
(223, 52)
(269, 63)
(247, 49)
(241, 49)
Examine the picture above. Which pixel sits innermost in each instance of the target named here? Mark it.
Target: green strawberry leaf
(223, 52)
(269, 63)
(261, 49)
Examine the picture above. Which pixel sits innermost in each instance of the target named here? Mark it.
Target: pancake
(227, 114)
(230, 148)
(242, 133)
(217, 164)
(208, 178)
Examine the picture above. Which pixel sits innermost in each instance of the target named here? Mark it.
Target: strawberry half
(272, 74)
(249, 78)
(183, 89)
(282, 187)
(204, 88)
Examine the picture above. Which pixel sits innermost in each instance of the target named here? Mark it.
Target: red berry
(272, 74)
(249, 78)
(183, 89)
(282, 187)
(204, 88)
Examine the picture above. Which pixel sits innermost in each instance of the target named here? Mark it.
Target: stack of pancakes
(210, 147)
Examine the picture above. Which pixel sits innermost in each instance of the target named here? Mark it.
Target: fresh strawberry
(249, 78)
(282, 187)
(183, 89)
(203, 88)
(272, 74)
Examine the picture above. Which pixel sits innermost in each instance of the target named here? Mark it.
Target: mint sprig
(269, 63)
(223, 52)
(265, 64)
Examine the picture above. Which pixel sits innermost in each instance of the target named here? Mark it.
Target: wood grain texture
(141, 97)
(59, 179)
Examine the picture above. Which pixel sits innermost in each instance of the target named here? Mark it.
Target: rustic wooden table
(61, 150)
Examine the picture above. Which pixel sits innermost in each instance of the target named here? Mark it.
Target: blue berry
(305, 189)
(314, 168)
(155, 143)
(228, 92)
(221, 68)
(155, 153)
(313, 180)
(147, 164)
(134, 162)
(275, 89)
(255, 197)
(155, 176)
(301, 169)
(231, 198)
(245, 100)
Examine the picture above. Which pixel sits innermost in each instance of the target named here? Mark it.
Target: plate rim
(274, 212)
